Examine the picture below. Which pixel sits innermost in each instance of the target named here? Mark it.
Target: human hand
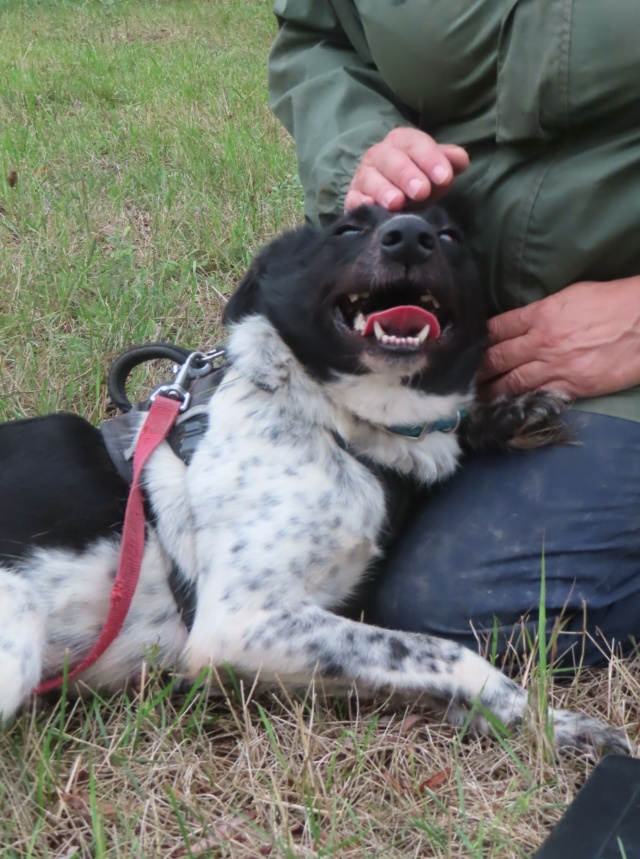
(406, 165)
(583, 341)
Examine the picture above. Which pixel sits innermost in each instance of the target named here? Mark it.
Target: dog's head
(374, 292)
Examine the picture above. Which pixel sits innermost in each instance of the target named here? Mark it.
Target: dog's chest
(280, 505)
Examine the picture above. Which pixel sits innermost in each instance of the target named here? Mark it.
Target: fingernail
(439, 174)
(390, 197)
(414, 188)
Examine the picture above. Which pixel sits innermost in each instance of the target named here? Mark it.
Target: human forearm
(327, 94)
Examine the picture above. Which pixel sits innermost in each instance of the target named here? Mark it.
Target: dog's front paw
(469, 719)
(574, 732)
(534, 419)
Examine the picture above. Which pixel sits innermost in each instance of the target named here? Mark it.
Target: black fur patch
(58, 486)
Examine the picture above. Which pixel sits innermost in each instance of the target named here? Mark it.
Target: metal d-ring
(176, 389)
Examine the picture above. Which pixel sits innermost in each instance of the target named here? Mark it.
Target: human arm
(325, 89)
(583, 341)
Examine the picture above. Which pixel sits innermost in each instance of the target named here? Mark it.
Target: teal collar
(447, 425)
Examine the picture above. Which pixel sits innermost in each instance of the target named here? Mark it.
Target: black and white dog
(353, 351)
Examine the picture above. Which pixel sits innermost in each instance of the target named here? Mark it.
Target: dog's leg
(164, 482)
(21, 642)
(295, 643)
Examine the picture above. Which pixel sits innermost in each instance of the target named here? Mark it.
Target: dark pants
(471, 555)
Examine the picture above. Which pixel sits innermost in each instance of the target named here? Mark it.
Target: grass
(140, 170)
(161, 774)
(147, 171)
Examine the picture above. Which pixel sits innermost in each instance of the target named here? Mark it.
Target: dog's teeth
(354, 296)
(359, 322)
(429, 299)
(422, 336)
(393, 340)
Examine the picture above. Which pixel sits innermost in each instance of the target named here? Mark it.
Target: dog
(352, 351)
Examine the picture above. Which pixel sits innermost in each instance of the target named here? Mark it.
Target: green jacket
(544, 95)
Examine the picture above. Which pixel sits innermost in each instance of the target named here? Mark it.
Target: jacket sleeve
(325, 89)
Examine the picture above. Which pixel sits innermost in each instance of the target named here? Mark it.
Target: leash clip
(176, 390)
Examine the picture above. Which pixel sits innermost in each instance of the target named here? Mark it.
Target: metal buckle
(456, 425)
(184, 372)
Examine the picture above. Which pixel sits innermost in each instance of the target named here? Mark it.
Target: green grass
(149, 170)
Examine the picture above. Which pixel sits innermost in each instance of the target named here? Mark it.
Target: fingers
(438, 162)
(506, 356)
(389, 175)
(407, 165)
(457, 156)
(372, 183)
(509, 345)
(534, 376)
(578, 341)
(512, 363)
(512, 323)
(355, 199)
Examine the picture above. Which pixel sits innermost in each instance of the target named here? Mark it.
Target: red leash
(160, 418)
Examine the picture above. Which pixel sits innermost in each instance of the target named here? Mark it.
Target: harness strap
(130, 359)
(161, 417)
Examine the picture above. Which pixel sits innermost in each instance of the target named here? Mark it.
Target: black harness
(195, 386)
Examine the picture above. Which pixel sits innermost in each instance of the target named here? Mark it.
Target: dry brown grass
(180, 775)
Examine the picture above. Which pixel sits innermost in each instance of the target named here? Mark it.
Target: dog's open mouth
(399, 317)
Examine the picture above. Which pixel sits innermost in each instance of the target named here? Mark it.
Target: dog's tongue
(404, 321)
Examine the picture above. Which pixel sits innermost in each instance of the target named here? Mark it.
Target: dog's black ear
(249, 298)
(246, 299)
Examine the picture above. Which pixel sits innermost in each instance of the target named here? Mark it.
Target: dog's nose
(407, 239)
